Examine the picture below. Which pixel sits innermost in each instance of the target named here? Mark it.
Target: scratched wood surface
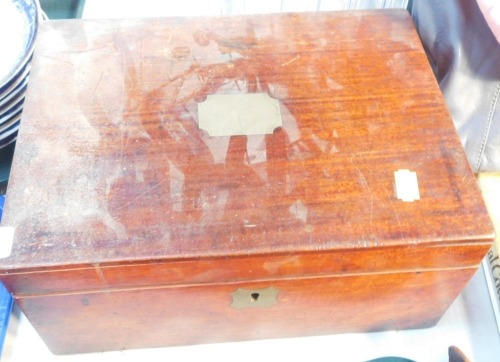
(111, 165)
(117, 197)
(198, 314)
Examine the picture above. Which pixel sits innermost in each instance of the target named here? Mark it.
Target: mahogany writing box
(183, 181)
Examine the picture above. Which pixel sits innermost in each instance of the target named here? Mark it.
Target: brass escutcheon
(255, 298)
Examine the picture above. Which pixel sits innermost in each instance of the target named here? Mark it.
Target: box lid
(111, 165)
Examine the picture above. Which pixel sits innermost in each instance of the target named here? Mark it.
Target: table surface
(469, 323)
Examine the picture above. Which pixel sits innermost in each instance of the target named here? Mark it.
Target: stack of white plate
(19, 21)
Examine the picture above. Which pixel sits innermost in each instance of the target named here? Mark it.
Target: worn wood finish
(117, 196)
(263, 268)
(203, 314)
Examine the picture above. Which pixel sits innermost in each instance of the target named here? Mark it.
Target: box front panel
(154, 317)
(244, 269)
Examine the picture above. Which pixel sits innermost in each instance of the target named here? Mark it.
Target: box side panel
(155, 317)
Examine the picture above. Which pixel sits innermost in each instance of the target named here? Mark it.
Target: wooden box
(128, 225)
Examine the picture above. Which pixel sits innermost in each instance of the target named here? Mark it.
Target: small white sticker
(6, 241)
(406, 185)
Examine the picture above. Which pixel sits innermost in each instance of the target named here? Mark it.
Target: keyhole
(255, 297)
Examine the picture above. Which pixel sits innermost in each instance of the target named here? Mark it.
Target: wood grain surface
(127, 319)
(131, 221)
(111, 164)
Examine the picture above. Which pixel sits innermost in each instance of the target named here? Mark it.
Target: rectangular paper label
(406, 185)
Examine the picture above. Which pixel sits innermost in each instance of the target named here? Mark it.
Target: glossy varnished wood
(112, 166)
(117, 197)
(125, 319)
(265, 268)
